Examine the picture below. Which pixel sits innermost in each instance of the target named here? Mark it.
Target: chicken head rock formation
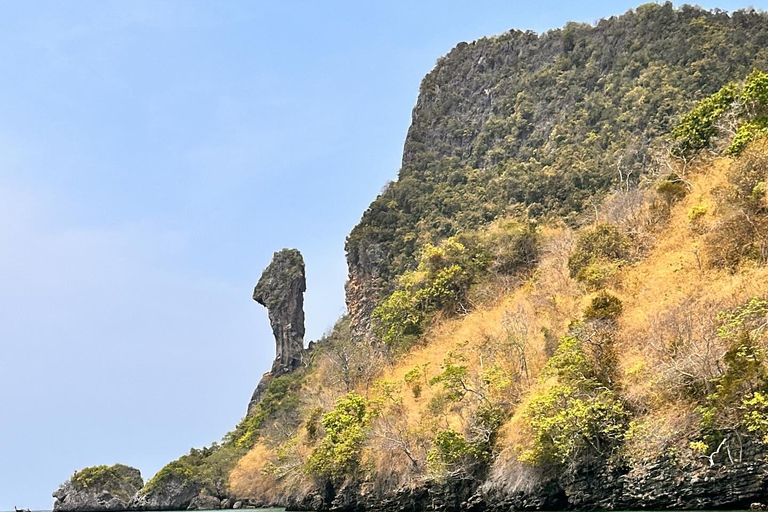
(281, 290)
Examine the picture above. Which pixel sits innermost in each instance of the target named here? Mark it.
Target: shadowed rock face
(281, 290)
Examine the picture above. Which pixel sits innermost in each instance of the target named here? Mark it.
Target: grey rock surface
(281, 290)
(173, 492)
(99, 488)
(205, 502)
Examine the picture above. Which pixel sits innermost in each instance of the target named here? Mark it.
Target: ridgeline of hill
(561, 303)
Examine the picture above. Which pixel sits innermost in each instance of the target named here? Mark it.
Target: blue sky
(153, 156)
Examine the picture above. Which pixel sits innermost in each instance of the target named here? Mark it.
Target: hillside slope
(547, 395)
(560, 304)
(542, 122)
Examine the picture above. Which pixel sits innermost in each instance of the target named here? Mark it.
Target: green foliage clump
(748, 107)
(415, 378)
(739, 400)
(450, 453)
(178, 470)
(699, 126)
(338, 454)
(598, 254)
(575, 416)
(206, 469)
(755, 407)
(119, 480)
(603, 306)
(671, 189)
(753, 113)
(441, 281)
(485, 402)
(445, 274)
(453, 377)
(280, 396)
(746, 133)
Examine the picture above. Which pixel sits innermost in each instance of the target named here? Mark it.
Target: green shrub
(697, 128)
(415, 378)
(749, 104)
(440, 282)
(746, 133)
(445, 274)
(453, 377)
(671, 189)
(598, 254)
(450, 452)
(603, 306)
(739, 398)
(338, 454)
(574, 416)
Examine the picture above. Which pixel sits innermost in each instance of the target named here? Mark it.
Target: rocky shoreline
(664, 484)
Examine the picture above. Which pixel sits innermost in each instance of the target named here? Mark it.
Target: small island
(560, 304)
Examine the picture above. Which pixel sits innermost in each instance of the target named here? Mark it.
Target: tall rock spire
(281, 290)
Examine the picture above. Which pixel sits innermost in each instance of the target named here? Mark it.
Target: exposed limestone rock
(363, 288)
(103, 488)
(205, 502)
(281, 290)
(172, 492)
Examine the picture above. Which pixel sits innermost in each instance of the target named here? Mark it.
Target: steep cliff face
(281, 290)
(543, 123)
(519, 393)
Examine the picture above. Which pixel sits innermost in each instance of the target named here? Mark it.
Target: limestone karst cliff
(98, 488)
(281, 290)
(541, 122)
(505, 349)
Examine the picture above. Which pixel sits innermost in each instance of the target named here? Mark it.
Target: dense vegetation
(118, 480)
(569, 271)
(531, 344)
(541, 123)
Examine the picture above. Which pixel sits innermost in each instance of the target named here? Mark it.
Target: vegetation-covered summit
(539, 124)
(563, 300)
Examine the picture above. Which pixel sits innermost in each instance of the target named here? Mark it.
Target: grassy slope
(672, 271)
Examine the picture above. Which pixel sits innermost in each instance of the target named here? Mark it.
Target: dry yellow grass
(670, 272)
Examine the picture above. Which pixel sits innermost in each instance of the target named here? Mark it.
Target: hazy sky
(153, 156)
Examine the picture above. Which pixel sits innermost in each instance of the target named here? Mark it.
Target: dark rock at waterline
(205, 502)
(661, 484)
(98, 488)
